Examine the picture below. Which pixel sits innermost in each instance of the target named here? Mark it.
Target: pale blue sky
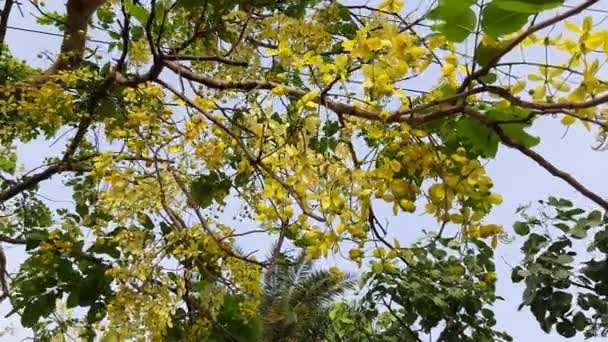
(517, 178)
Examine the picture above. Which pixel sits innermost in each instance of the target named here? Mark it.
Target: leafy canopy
(186, 131)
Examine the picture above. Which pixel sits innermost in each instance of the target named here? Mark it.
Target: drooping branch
(540, 160)
(31, 181)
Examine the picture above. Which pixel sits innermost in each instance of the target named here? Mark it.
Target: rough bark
(78, 14)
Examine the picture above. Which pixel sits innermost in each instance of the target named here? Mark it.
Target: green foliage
(527, 6)
(456, 19)
(438, 289)
(297, 111)
(11, 68)
(297, 299)
(565, 289)
(476, 137)
(232, 326)
(497, 21)
(211, 187)
(481, 140)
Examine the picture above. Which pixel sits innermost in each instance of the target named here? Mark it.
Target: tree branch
(540, 160)
(79, 12)
(6, 11)
(515, 42)
(504, 93)
(11, 240)
(219, 59)
(337, 107)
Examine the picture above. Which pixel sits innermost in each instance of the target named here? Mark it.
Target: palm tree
(297, 299)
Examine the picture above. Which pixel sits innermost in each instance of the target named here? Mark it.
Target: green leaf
(579, 231)
(477, 138)
(515, 131)
(37, 235)
(96, 313)
(105, 248)
(566, 329)
(489, 78)
(138, 12)
(561, 300)
(165, 228)
(564, 259)
(296, 10)
(517, 274)
(457, 19)
(82, 209)
(485, 54)
(527, 6)
(188, 4)
(595, 218)
(72, 300)
(558, 246)
(497, 22)
(211, 187)
(562, 226)
(580, 321)
(600, 241)
(34, 237)
(559, 203)
(40, 307)
(562, 274)
(107, 108)
(534, 243)
(147, 222)
(521, 228)
(438, 253)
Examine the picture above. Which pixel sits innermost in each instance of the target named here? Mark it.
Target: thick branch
(12, 240)
(29, 182)
(219, 59)
(79, 12)
(540, 160)
(337, 107)
(6, 11)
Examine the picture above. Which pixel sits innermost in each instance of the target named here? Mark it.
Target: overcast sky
(517, 178)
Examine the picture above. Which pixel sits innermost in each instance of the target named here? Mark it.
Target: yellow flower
(355, 254)
(336, 273)
(448, 69)
(393, 6)
(205, 104)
